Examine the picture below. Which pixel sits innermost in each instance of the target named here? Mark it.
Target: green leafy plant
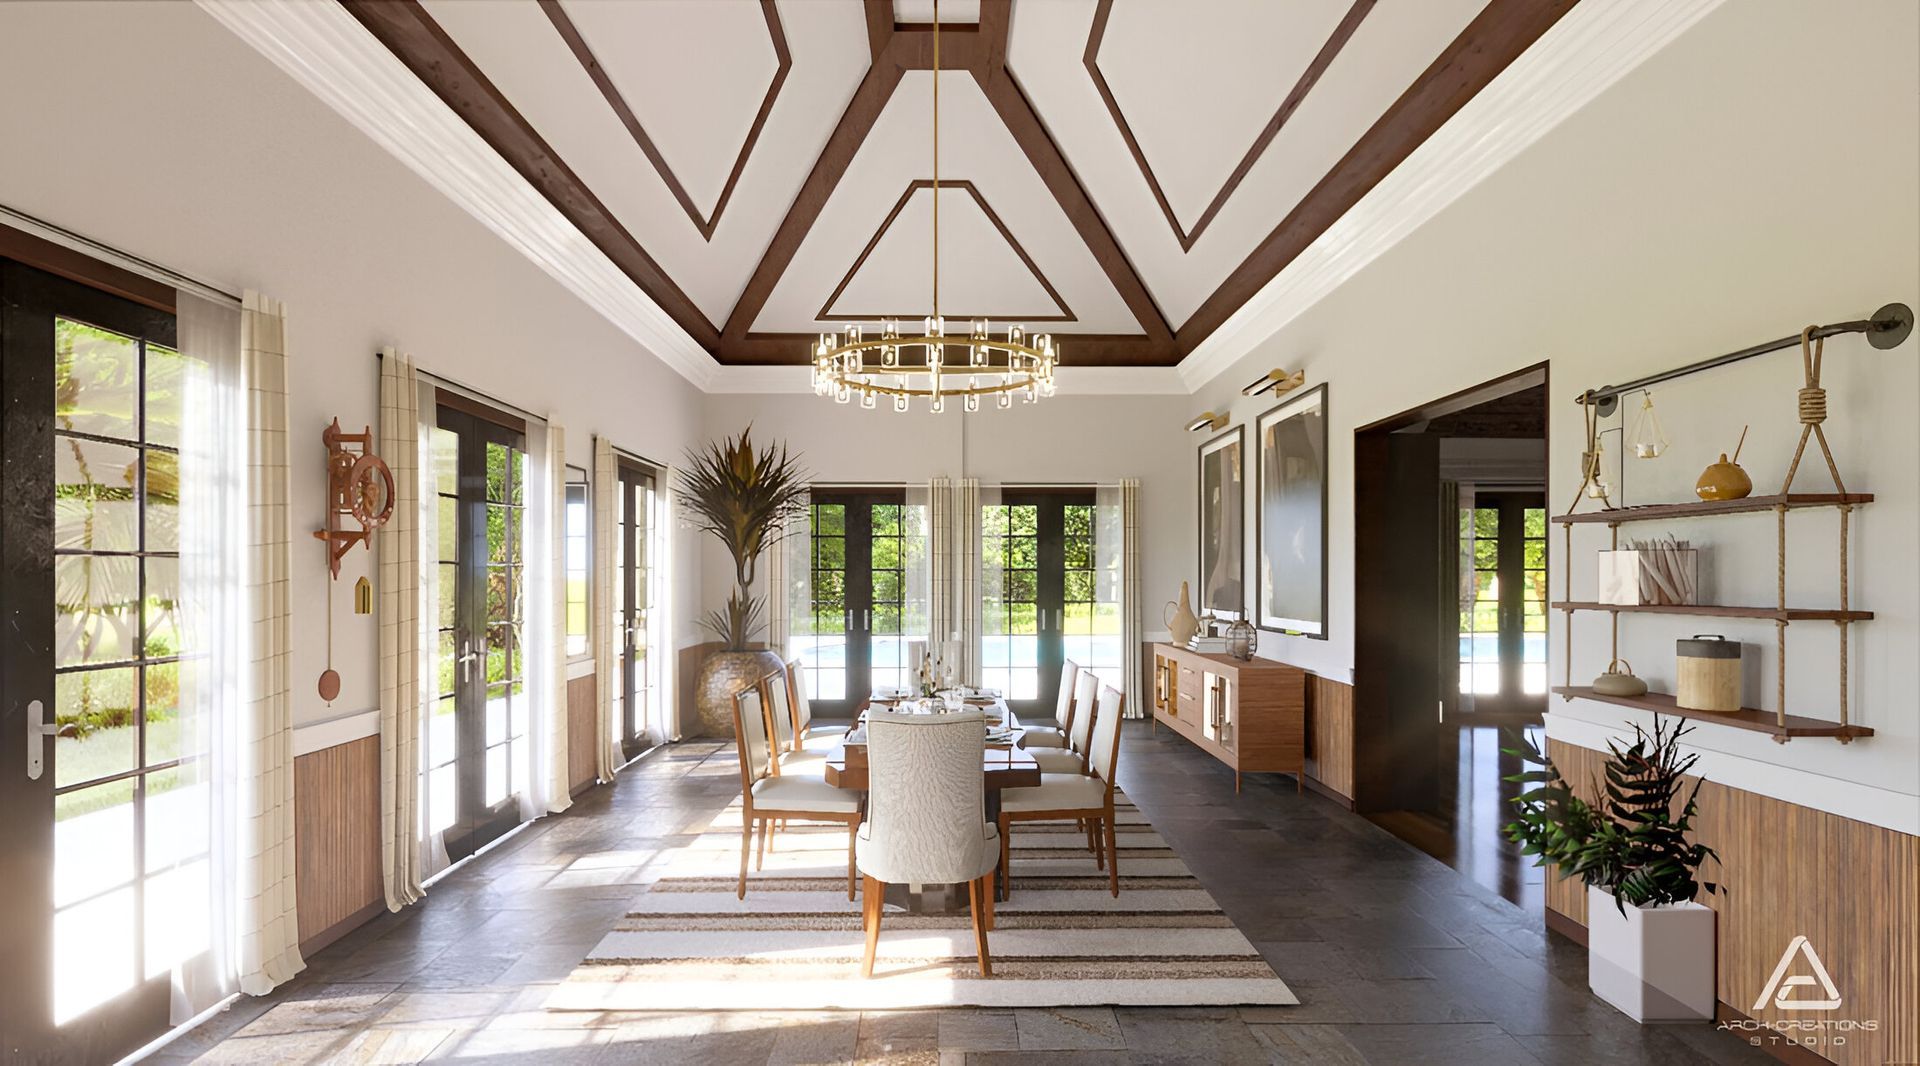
(745, 499)
(1633, 844)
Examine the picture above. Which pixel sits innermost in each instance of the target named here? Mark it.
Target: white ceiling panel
(694, 72)
(1196, 101)
(975, 147)
(981, 273)
(1395, 42)
(517, 47)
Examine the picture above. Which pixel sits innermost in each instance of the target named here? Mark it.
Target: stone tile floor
(1396, 957)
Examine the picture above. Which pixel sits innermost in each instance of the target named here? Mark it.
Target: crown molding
(1072, 380)
(1586, 51)
(328, 52)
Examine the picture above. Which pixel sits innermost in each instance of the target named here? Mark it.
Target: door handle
(866, 617)
(466, 661)
(38, 727)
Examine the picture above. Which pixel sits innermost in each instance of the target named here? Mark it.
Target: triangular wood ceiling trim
(1064, 313)
(1321, 61)
(706, 225)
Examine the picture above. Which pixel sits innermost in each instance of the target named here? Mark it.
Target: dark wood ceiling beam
(412, 35)
(1492, 41)
(1017, 112)
(879, 26)
(1078, 349)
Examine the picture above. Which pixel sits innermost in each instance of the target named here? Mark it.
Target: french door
(866, 544)
(477, 745)
(104, 865)
(632, 602)
(1040, 601)
(1503, 610)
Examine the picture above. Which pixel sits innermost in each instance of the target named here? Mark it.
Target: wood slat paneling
(1851, 888)
(580, 717)
(336, 839)
(1330, 734)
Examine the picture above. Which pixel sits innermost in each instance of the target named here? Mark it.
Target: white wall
(151, 128)
(1759, 174)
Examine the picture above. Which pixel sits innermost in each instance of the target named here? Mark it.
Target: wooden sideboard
(1250, 715)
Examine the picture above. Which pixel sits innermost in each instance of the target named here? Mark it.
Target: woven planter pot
(723, 674)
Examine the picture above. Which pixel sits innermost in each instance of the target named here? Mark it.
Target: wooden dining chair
(1055, 735)
(766, 797)
(1072, 759)
(926, 816)
(789, 755)
(1062, 796)
(806, 735)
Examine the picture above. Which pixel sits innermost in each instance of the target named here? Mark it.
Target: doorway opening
(1451, 621)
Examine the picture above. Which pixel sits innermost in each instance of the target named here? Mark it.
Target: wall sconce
(1276, 381)
(1210, 422)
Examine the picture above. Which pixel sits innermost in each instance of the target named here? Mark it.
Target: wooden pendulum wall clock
(360, 490)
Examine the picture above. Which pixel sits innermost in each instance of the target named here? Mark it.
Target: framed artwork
(1223, 558)
(1290, 517)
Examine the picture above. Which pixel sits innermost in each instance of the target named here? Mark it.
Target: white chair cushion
(823, 744)
(801, 795)
(1056, 760)
(812, 763)
(1057, 792)
(1042, 737)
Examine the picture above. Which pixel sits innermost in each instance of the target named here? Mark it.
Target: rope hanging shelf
(1889, 327)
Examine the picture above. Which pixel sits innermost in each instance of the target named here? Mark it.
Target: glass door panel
(478, 750)
(107, 845)
(633, 576)
(868, 550)
(1503, 619)
(1010, 654)
(1040, 595)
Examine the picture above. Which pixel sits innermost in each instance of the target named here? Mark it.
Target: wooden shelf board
(1699, 508)
(1746, 718)
(1710, 610)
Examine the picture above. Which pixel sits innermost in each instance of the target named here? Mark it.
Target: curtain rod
(1886, 329)
(472, 393)
(124, 260)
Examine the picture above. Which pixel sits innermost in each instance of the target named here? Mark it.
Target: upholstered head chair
(926, 819)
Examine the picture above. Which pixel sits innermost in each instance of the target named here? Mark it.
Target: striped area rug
(795, 942)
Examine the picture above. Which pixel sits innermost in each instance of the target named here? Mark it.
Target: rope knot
(1813, 405)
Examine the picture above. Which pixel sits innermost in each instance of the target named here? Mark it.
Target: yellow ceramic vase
(1723, 480)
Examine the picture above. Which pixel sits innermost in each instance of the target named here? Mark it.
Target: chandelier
(932, 364)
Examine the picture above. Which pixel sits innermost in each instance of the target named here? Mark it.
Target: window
(869, 552)
(1503, 614)
(1041, 596)
(579, 557)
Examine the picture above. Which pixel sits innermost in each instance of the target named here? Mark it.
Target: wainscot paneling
(336, 840)
(1852, 889)
(1330, 735)
(581, 713)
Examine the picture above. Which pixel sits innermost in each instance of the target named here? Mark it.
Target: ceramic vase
(1181, 622)
(722, 675)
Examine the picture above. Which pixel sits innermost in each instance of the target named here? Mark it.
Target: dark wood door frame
(1396, 625)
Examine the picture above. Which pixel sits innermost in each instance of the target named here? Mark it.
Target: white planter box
(1654, 963)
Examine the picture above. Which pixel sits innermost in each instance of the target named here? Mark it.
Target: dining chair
(1072, 759)
(1062, 796)
(806, 735)
(926, 816)
(1055, 735)
(766, 797)
(789, 756)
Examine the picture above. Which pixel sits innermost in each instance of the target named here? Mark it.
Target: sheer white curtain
(916, 613)
(265, 931)
(1116, 631)
(559, 777)
(789, 570)
(397, 546)
(661, 639)
(193, 853)
(542, 641)
(943, 623)
(983, 580)
(434, 738)
(606, 486)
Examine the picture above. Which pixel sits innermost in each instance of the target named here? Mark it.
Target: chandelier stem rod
(936, 159)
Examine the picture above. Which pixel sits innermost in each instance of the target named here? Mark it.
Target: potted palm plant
(1650, 944)
(746, 499)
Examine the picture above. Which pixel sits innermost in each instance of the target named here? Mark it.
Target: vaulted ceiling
(1122, 173)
